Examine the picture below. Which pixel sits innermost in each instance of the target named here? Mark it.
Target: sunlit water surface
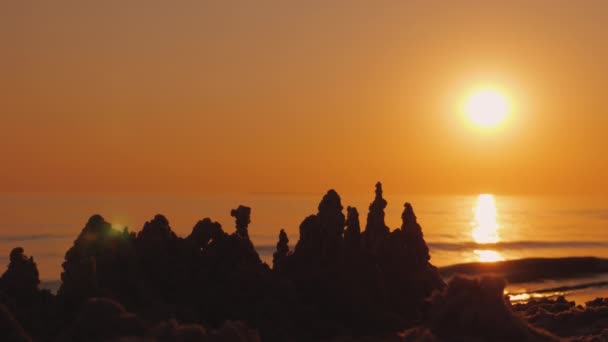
(458, 229)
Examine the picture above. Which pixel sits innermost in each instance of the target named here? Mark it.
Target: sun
(487, 108)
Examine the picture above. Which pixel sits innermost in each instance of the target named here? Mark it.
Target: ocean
(458, 229)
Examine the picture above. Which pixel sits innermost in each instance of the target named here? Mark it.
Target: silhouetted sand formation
(102, 319)
(280, 255)
(10, 329)
(475, 310)
(565, 319)
(242, 215)
(212, 286)
(376, 228)
(21, 278)
(352, 234)
(35, 309)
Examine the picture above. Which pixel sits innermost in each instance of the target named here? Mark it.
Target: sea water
(458, 229)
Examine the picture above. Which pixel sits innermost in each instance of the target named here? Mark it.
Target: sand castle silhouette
(337, 282)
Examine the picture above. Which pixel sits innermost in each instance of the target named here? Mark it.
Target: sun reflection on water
(485, 227)
(488, 255)
(525, 296)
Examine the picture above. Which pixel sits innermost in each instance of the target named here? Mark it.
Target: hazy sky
(286, 96)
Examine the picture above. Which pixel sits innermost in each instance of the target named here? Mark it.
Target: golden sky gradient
(286, 96)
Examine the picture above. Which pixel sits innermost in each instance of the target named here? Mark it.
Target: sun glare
(487, 108)
(488, 255)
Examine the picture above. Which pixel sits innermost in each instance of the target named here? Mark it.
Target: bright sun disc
(486, 108)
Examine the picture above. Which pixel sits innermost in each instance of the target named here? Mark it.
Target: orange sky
(274, 96)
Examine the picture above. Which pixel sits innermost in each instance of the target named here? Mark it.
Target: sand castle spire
(376, 227)
(242, 214)
(352, 235)
(279, 256)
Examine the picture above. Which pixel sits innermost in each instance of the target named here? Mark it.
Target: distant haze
(299, 97)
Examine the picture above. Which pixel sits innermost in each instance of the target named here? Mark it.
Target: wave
(468, 246)
(569, 288)
(38, 256)
(51, 285)
(515, 245)
(265, 249)
(565, 288)
(532, 269)
(600, 214)
(34, 237)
